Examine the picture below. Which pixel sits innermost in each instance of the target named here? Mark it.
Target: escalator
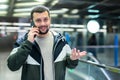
(92, 69)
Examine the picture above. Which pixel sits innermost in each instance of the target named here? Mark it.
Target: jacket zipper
(53, 56)
(41, 76)
(41, 70)
(53, 59)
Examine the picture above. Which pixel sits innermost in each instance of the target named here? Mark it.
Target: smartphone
(32, 24)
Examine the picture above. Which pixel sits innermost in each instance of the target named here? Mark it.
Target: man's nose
(42, 22)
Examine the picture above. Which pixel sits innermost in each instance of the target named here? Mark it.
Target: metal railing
(90, 68)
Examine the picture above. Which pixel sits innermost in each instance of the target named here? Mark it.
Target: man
(42, 53)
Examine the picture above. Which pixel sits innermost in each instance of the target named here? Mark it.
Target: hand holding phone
(33, 25)
(33, 32)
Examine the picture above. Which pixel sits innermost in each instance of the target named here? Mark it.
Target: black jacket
(28, 55)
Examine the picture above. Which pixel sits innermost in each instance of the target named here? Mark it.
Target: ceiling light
(67, 25)
(93, 26)
(62, 29)
(28, 4)
(3, 12)
(81, 30)
(26, 14)
(104, 26)
(23, 10)
(91, 6)
(2, 1)
(5, 23)
(54, 2)
(53, 15)
(43, 1)
(93, 11)
(3, 6)
(93, 16)
(71, 16)
(74, 11)
(61, 11)
(21, 24)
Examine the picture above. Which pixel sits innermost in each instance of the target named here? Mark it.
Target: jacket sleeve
(19, 55)
(71, 63)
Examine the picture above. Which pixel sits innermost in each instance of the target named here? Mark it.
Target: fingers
(32, 33)
(76, 54)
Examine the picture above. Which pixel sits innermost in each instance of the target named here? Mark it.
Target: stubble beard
(43, 33)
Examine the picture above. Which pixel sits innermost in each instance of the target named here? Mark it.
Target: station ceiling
(103, 9)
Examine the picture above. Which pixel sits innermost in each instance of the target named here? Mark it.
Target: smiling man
(43, 54)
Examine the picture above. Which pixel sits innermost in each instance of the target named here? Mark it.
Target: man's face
(42, 21)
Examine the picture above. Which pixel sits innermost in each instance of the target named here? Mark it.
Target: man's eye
(46, 19)
(37, 20)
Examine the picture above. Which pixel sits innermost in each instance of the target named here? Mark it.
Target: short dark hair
(39, 9)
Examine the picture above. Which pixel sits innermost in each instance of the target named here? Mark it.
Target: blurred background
(91, 25)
